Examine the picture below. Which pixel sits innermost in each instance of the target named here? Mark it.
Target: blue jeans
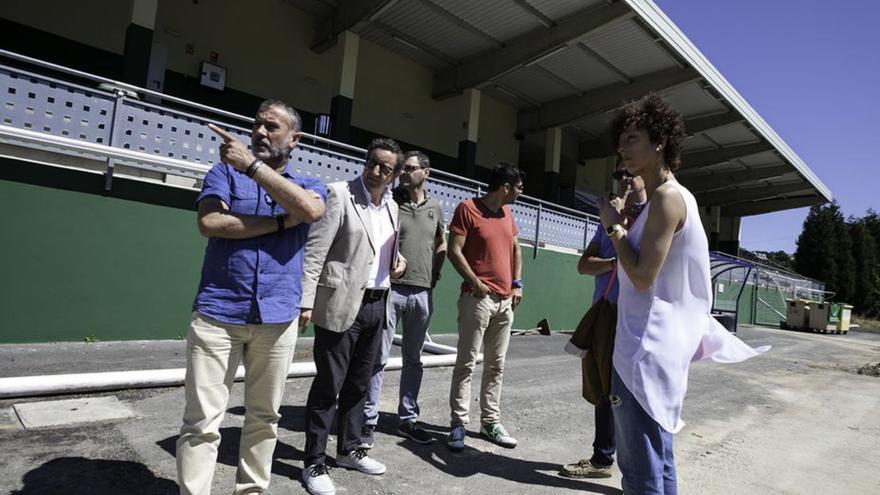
(644, 449)
(415, 306)
(603, 439)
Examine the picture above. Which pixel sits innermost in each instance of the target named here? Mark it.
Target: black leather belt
(372, 295)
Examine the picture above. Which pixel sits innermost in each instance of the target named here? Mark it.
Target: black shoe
(367, 436)
(410, 430)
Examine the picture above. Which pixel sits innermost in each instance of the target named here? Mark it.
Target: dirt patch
(870, 370)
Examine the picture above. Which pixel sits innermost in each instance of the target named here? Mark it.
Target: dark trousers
(603, 441)
(344, 363)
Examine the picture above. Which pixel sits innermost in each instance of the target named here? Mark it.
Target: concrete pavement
(796, 420)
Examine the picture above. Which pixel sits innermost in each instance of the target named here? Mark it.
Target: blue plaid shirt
(255, 280)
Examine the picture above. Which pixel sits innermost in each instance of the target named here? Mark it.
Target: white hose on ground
(78, 383)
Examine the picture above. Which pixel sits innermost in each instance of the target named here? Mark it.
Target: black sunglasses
(621, 174)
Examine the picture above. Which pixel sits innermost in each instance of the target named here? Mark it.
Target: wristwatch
(517, 283)
(614, 229)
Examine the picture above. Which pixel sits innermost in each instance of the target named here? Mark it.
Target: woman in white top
(663, 313)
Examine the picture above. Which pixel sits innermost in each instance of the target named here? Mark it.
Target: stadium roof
(570, 64)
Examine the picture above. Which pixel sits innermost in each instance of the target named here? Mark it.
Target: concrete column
(729, 234)
(348, 45)
(552, 159)
(711, 218)
(139, 42)
(470, 125)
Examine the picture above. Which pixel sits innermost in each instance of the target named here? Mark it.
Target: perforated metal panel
(51, 106)
(42, 104)
(559, 229)
(449, 195)
(326, 165)
(160, 131)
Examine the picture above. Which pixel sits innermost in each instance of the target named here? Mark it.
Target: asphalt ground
(797, 420)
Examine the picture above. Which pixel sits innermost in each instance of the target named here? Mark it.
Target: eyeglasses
(385, 170)
(408, 169)
(621, 174)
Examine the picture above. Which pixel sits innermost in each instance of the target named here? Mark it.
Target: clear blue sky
(811, 69)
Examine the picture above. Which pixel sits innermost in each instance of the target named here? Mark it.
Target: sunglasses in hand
(621, 174)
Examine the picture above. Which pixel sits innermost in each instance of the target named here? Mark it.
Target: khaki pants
(213, 352)
(481, 322)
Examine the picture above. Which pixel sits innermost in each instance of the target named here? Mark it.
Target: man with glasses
(423, 244)
(484, 250)
(599, 260)
(351, 257)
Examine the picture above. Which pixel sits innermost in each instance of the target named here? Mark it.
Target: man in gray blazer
(351, 256)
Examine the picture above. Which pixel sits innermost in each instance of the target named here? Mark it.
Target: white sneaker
(317, 480)
(358, 459)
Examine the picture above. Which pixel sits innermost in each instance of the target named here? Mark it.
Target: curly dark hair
(655, 115)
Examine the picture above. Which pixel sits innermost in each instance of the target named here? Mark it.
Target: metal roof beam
(458, 21)
(537, 14)
(349, 15)
(600, 148)
(770, 205)
(571, 108)
(703, 124)
(718, 180)
(719, 198)
(414, 43)
(702, 159)
(524, 49)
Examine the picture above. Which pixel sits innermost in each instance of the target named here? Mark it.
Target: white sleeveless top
(661, 330)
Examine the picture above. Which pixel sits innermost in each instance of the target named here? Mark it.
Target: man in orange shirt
(484, 250)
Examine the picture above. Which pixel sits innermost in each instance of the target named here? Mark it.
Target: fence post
(586, 233)
(108, 175)
(537, 230)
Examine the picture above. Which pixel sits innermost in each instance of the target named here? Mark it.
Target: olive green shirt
(419, 225)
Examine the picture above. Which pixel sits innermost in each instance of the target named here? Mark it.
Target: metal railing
(120, 124)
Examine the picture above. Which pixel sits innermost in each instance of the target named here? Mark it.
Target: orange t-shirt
(488, 245)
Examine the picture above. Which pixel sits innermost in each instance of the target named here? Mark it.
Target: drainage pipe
(78, 383)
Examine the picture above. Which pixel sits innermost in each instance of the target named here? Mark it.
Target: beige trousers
(213, 352)
(481, 322)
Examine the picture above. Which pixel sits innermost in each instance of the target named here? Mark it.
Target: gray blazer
(338, 255)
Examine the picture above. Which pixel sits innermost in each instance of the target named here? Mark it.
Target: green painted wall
(78, 263)
(553, 290)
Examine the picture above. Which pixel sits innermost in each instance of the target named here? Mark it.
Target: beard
(409, 183)
(271, 153)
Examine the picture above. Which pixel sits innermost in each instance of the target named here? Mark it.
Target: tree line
(843, 253)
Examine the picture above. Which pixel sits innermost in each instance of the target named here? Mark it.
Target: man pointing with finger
(255, 213)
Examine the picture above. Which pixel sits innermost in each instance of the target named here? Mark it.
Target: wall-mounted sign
(213, 76)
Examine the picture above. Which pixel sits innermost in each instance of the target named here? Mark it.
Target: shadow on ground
(471, 461)
(227, 453)
(78, 475)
